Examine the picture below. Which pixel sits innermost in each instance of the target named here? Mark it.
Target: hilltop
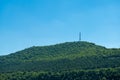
(62, 50)
(80, 54)
(69, 56)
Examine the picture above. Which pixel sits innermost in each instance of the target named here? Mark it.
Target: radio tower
(79, 36)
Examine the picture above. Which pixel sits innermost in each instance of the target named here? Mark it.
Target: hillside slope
(61, 57)
(56, 51)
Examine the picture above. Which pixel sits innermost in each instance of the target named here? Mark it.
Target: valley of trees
(66, 61)
(97, 74)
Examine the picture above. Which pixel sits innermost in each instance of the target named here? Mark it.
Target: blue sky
(26, 23)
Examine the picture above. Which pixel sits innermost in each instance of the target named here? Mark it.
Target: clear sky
(26, 23)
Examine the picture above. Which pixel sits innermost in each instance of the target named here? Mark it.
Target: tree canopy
(71, 60)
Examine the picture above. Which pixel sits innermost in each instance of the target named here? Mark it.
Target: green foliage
(71, 60)
(95, 74)
(68, 49)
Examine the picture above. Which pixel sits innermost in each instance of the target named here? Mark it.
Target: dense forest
(66, 61)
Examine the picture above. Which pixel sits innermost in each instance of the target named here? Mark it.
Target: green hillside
(58, 51)
(61, 60)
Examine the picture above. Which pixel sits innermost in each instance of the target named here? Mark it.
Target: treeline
(63, 50)
(87, 62)
(67, 61)
(66, 56)
(97, 74)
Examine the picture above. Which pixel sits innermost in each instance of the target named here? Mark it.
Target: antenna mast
(79, 36)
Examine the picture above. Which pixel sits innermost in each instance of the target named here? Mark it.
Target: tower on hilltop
(79, 36)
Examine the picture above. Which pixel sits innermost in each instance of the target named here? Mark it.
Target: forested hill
(64, 50)
(71, 60)
(64, 57)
